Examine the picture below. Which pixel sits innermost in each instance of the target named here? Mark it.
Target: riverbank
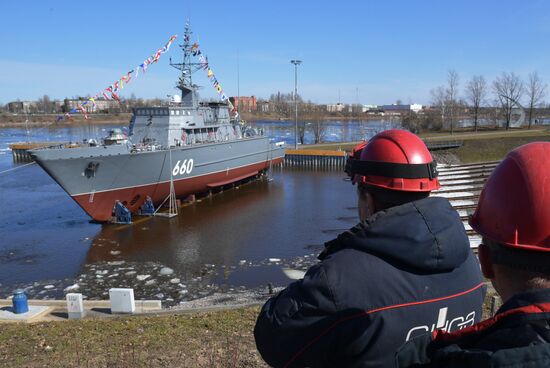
(477, 147)
(59, 120)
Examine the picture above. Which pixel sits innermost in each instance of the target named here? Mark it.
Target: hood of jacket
(426, 235)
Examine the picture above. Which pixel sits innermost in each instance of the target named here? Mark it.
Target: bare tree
(304, 108)
(439, 100)
(508, 89)
(452, 95)
(44, 104)
(318, 126)
(476, 93)
(301, 131)
(536, 90)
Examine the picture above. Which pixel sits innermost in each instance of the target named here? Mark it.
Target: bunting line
(195, 50)
(110, 93)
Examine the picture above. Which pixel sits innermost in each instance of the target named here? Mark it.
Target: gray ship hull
(97, 177)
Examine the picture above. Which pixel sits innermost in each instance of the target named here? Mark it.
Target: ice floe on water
(71, 288)
(294, 274)
(166, 271)
(151, 280)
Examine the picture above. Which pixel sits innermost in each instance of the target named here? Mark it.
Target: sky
(370, 52)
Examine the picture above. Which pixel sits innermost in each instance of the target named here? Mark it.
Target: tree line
(493, 101)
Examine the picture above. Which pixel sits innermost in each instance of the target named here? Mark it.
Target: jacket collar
(526, 298)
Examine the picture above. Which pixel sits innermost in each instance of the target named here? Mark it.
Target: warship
(180, 148)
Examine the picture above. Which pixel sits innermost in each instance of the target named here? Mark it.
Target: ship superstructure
(192, 145)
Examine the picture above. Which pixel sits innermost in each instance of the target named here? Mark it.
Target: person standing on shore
(404, 270)
(513, 216)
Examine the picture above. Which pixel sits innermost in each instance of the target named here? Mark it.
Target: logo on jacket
(443, 323)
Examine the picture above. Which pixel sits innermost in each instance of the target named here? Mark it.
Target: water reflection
(285, 217)
(214, 230)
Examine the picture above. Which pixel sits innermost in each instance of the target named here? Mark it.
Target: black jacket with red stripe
(406, 271)
(518, 336)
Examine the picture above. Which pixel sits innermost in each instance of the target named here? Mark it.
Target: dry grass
(493, 149)
(213, 339)
(483, 146)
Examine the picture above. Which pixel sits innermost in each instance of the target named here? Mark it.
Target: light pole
(296, 63)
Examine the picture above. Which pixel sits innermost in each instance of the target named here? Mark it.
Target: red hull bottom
(100, 205)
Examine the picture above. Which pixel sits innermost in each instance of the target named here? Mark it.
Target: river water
(238, 239)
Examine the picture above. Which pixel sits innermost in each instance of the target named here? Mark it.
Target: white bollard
(122, 300)
(75, 306)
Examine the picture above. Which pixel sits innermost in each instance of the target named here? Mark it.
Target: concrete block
(75, 306)
(122, 300)
(7, 315)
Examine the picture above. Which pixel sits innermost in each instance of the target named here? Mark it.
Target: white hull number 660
(185, 168)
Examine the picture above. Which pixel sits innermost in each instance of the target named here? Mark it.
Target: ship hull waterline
(99, 206)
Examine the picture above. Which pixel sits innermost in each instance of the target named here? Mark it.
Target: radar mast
(187, 68)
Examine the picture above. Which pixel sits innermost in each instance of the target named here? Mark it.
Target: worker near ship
(513, 218)
(404, 270)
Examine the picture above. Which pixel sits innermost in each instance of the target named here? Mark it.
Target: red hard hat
(356, 151)
(514, 206)
(397, 160)
(354, 155)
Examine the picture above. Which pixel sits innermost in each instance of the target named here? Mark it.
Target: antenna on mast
(187, 68)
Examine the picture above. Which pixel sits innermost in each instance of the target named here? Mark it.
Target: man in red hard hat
(404, 270)
(513, 217)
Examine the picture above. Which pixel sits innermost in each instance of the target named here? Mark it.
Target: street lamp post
(296, 63)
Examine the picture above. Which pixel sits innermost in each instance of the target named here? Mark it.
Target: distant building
(398, 109)
(264, 106)
(339, 107)
(416, 107)
(367, 108)
(243, 103)
(22, 107)
(101, 106)
(57, 106)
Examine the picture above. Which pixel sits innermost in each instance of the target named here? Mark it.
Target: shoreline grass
(202, 339)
